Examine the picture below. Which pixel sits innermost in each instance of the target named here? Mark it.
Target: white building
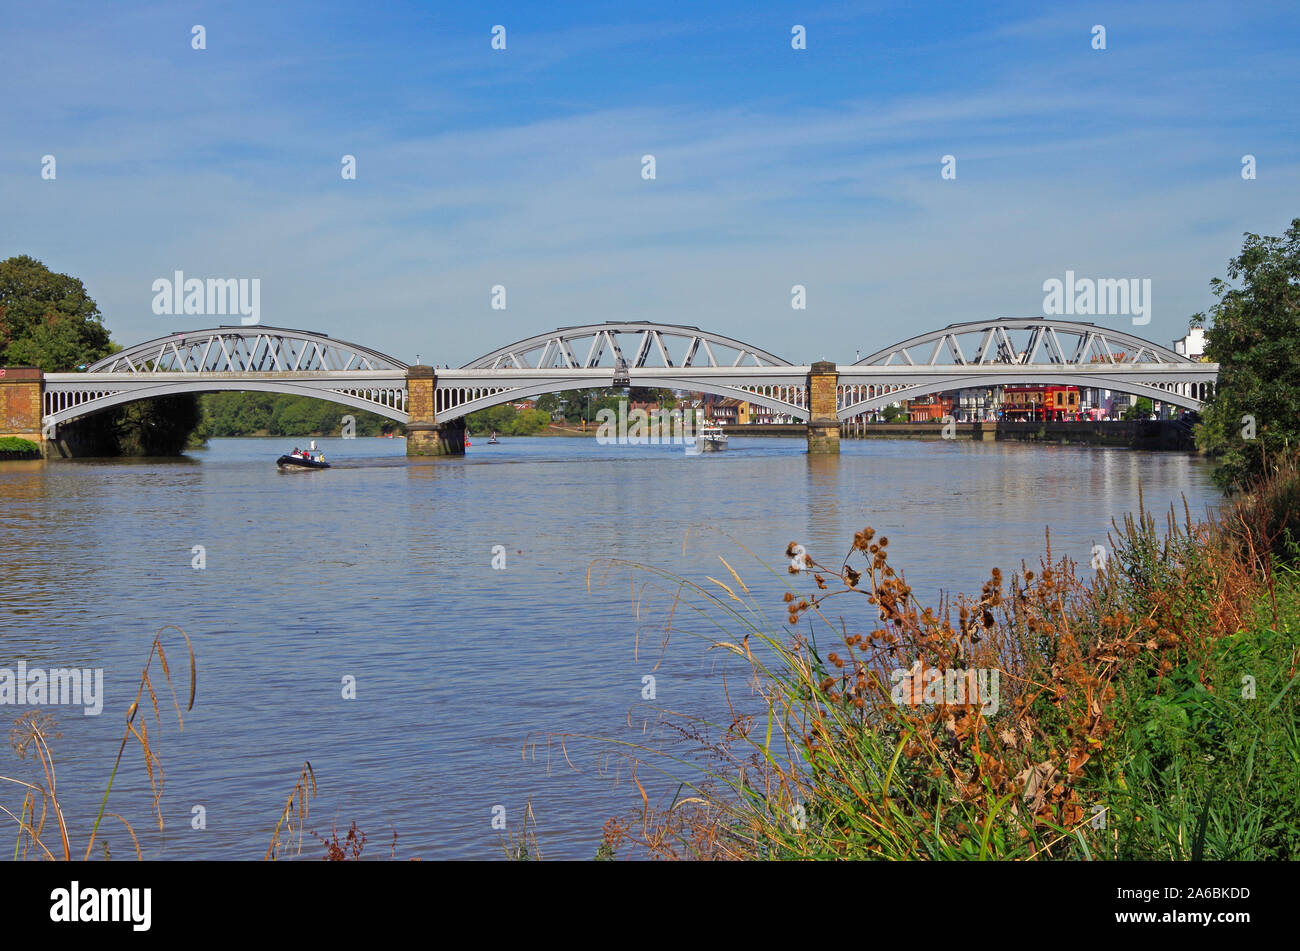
(1193, 345)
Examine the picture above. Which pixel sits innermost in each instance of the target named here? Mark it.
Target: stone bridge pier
(823, 419)
(425, 436)
(21, 391)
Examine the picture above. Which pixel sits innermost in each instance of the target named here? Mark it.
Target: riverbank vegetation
(279, 414)
(507, 420)
(15, 447)
(1145, 709)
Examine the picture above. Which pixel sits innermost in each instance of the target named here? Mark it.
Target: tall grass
(33, 731)
(292, 824)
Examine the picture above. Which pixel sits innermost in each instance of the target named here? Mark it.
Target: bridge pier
(425, 436)
(21, 404)
(823, 419)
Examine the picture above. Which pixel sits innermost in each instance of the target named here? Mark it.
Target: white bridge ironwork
(270, 359)
(638, 353)
(1022, 350)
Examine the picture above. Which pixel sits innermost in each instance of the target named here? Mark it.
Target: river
(382, 570)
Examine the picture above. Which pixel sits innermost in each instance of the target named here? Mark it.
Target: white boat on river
(710, 438)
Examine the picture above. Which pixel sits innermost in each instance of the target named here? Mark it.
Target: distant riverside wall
(1135, 434)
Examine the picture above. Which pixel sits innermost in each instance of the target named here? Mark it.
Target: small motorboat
(494, 441)
(302, 460)
(710, 438)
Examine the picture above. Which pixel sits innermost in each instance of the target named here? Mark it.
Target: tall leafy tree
(47, 320)
(1255, 338)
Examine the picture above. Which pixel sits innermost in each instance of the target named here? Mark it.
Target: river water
(474, 685)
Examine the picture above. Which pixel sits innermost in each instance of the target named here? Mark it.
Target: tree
(506, 420)
(1255, 338)
(1141, 409)
(254, 413)
(47, 320)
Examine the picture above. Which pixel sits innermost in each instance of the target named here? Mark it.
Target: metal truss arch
(65, 401)
(1036, 342)
(460, 393)
(240, 349)
(629, 343)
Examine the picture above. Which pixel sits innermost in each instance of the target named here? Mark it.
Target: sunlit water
(381, 570)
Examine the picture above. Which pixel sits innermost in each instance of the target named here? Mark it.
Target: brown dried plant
(848, 766)
(294, 815)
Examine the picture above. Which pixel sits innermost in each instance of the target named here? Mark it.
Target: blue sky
(522, 167)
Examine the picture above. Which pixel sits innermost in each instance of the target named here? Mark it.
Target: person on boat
(295, 452)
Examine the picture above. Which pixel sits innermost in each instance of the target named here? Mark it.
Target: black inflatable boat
(300, 462)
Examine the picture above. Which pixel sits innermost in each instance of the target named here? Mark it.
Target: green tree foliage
(1255, 339)
(649, 394)
(506, 420)
(577, 405)
(282, 414)
(1141, 409)
(47, 320)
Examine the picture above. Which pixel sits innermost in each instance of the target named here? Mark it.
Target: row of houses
(1042, 403)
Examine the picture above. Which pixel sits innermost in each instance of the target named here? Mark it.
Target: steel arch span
(239, 349)
(1025, 341)
(461, 392)
(1011, 351)
(637, 344)
(671, 356)
(233, 358)
(383, 397)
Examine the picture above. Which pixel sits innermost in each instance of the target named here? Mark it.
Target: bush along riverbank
(1144, 709)
(13, 447)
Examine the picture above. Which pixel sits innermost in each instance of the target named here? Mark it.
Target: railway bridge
(433, 402)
